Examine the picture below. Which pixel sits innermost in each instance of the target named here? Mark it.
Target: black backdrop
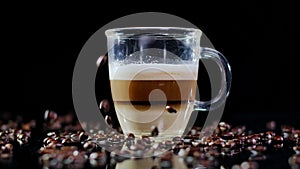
(40, 45)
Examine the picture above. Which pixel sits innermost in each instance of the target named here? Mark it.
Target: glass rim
(171, 31)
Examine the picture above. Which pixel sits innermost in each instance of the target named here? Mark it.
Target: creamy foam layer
(153, 72)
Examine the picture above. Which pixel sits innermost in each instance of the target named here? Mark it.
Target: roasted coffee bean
(278, 146)
(192, 150)
(75, 137)
(277, 142)
(9, 146)
(238, 130)
(224, 127)
(51, 134)
(66, 141)
(46, 140)
(296, 134)
(89, 145)
(144, 136)
(129, 143)
(297, 149)
(5, 149)
(227, 136)
(108, 120)
(58, 145)
(271, 125)
(290, 142)
(131, 136)
(154, 131)
(197, 144)
(162, 146)
(177, 139)
(176, 149)
(269, 134)
(278, 139)
(140, 142)
(219, 143)
(104, 106)
(188, 139)
(251, 141)
(83, 136)
(171, 109)
(101, 61)
(169, 143)
(287, 128)
(146, 140)
(50, 116)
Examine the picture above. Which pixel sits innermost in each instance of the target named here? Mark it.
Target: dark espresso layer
(138, 91)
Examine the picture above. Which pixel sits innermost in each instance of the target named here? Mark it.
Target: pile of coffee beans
(228, 147)
(12, 137)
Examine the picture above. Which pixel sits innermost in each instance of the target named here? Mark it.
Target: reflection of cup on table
(153, 74)
(148, 163)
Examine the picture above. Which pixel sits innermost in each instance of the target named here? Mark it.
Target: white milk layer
(153, 72)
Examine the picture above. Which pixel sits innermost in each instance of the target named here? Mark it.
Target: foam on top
(153, 72)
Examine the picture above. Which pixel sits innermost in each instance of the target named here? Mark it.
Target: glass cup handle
(220, 98)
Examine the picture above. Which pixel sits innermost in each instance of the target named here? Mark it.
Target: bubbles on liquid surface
(152, 48)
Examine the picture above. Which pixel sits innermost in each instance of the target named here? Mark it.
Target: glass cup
(153, 75)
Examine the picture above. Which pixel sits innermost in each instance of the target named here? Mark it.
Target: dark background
(40, 44)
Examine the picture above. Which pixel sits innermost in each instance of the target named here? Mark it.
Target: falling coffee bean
(154, 131)
(101, 61)
(108, 120)
(271, 125)
(104, 106)
(171, 109)
(224, 127)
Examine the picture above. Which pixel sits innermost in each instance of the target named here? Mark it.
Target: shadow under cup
(153, 76)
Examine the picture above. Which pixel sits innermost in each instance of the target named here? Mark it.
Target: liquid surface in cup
(143, 95)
